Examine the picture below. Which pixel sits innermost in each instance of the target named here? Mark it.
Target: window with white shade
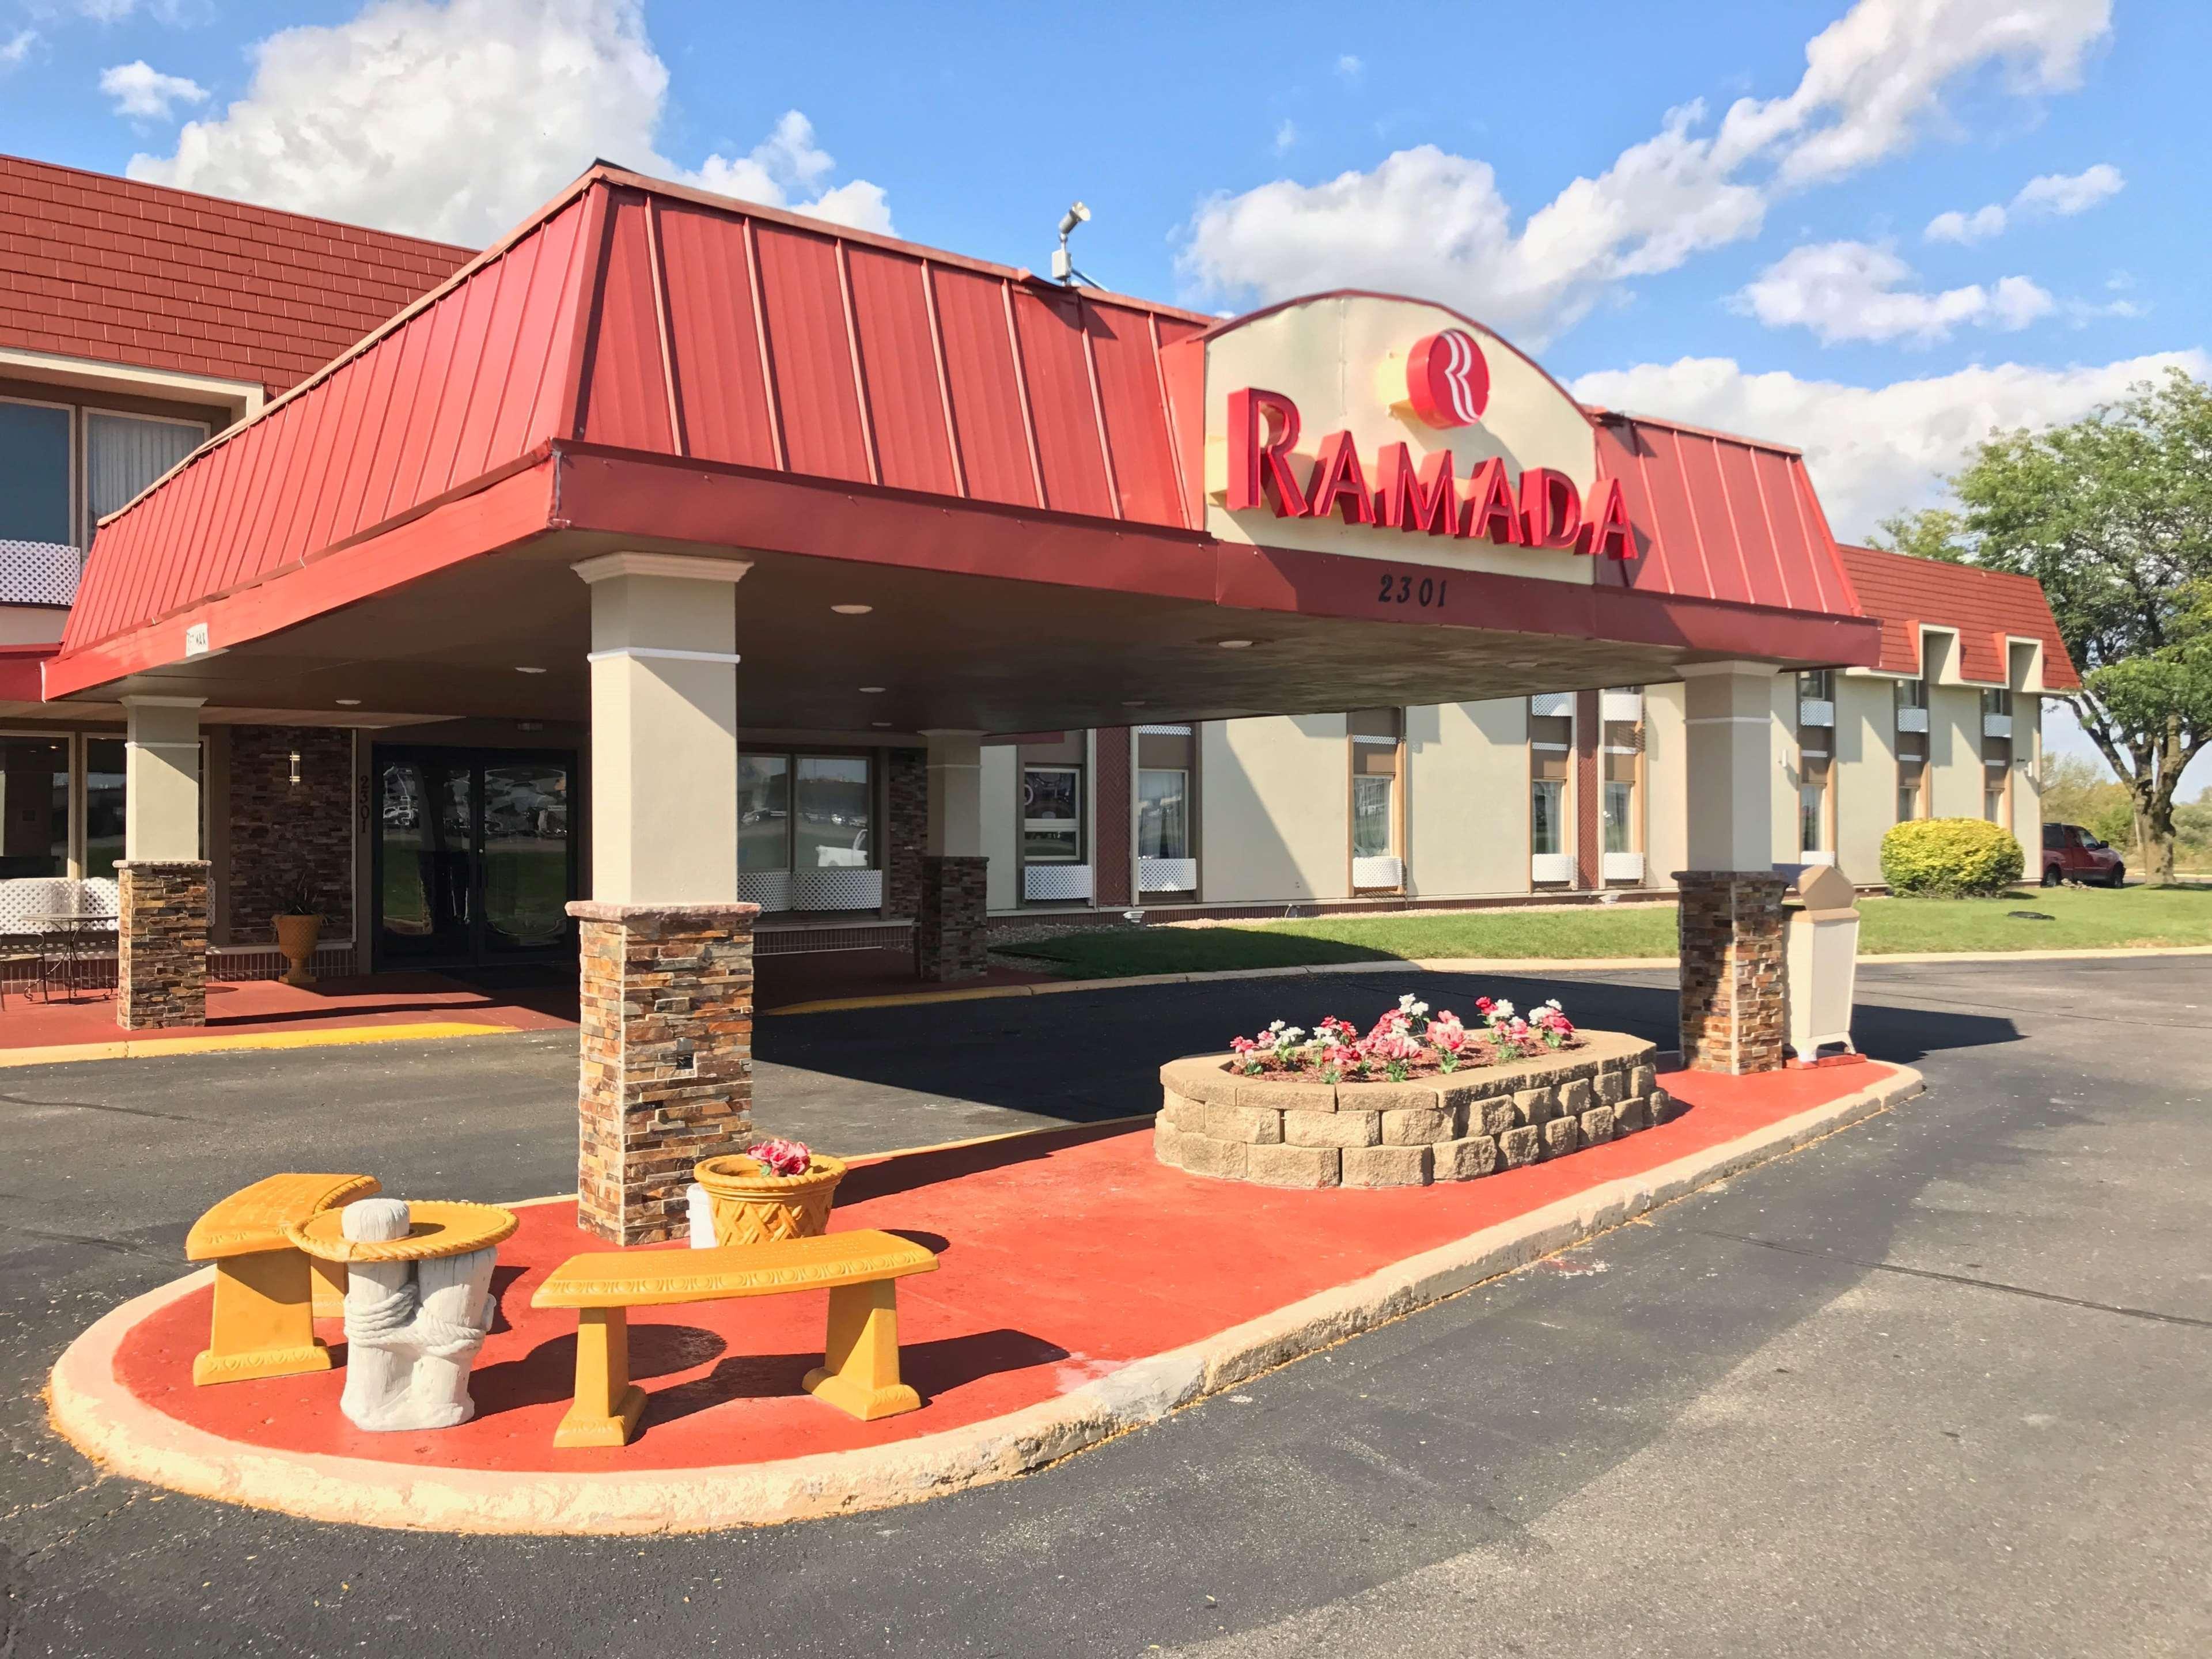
(1163, 813)
(1052, 815)
(1377, 773)
(124, 453)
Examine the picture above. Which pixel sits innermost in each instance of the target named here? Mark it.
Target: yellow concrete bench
(267, 1293)
(859, 1372)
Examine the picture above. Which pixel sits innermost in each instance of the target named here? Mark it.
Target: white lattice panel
(1816, 711)
(1996, 725)
(1913, 720)
(1163, 731)
(1167, 875)
(769, 889)
(1622, 866)
(1620, 705)
(1551, 867)
(837, 889)
(1377, 872)
(1549, 705)
(27, 897)
(1056, 883)
(38, 572)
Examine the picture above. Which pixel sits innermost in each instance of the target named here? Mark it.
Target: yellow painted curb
(112, 1426)
(329, 1036)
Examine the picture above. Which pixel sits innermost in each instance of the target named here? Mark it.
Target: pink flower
(782, 1158)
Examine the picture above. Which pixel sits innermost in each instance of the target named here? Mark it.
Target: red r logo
(1447, 381)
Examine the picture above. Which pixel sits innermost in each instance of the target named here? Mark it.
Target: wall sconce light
(296, 769)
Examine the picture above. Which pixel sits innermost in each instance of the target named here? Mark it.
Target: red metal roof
(648, 318)
(1720, 517)
(122, 272)
(1986, 607)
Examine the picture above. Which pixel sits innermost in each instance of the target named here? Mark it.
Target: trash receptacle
(1820, 958)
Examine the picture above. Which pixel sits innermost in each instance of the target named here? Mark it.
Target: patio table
(71, 933)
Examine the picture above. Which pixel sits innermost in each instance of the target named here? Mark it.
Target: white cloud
(107, 12)
(453, 118)
(2060, 194)
(1966, 228)
(1350, 68)
(2068, 194)
(139, 89)
(16, 49)
(1880, 449)
(1285, 136)
(1430, 223)
(1854, 291)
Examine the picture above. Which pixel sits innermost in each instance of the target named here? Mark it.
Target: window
(36, 474)
(34, 793)
(124, 453)
(1377, 749)
(806, 812)
(1619, 764)
(1052, 815)
(1548, 801)
(1996, 700)
(1814, 774)
(1911, 693)
(1162, 814)
(105, 778)
(832, 819)
(764, 813)
(1816, 685)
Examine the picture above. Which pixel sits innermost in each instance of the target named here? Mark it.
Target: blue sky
(1721, 212)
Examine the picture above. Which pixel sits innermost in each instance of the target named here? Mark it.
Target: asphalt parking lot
(1935, 1385)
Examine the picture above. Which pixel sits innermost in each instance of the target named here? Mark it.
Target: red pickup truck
(2072, 854)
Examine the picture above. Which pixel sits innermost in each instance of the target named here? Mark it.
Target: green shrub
(1950, 858)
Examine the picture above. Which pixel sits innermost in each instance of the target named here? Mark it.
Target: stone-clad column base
(1733, 1016)
(162, 933)
(666, 1057)
(949, 923)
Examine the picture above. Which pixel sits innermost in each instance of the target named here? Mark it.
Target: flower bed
(1406, 1105)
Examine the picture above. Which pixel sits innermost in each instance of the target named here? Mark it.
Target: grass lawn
(2080, 919)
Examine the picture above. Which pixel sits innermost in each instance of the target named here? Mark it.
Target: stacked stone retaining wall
(1216, 1121)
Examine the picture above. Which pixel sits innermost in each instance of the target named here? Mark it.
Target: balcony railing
(38, 572)
(1167, 875)
(1056, 884)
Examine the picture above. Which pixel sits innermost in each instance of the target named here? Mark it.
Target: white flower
(1289, 1036)
(1501, 1010)
(1408, 1006)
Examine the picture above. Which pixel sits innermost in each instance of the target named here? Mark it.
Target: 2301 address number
(1425, 591)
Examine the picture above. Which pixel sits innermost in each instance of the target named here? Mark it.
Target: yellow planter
(752, 1206)
(297, 937)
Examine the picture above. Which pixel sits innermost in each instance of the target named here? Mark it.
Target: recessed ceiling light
(872, 690)
(520, 669)
(1135, 702)
(852, 610)
(1232, 645)
(348, 702)
(885, 724)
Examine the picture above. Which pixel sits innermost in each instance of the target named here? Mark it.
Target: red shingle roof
(1985, 606)
(122, 272)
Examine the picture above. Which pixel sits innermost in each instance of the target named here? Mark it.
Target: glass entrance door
(474, 860)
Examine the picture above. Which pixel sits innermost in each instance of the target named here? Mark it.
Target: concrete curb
(111, 1425)
(1517, 965)
(329, 1036)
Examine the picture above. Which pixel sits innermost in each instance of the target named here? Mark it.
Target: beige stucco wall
(1666, 795)
(2027, 803)
(1466, 796)
(1782, 776)
(1002, 820)
(1866, 772)
(1275, 810)
(1954, 748)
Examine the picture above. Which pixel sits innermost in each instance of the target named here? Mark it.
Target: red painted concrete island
(1081, 1280)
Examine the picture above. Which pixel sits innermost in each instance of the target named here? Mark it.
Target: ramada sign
(1447, 384)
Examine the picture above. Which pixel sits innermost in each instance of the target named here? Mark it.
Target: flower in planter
(1551, 1024)
(1405, 1041)
(782, 1158)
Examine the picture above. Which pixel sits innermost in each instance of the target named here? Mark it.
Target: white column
(956, 793)
(664, 728)
(1730, 744)
(161, 780)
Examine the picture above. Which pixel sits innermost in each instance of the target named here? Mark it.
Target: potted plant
(298, 927)
(774, 1189)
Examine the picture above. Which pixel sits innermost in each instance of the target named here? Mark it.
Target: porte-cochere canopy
(1025, 475)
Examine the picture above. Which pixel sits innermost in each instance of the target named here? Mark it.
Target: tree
(2113, 515)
